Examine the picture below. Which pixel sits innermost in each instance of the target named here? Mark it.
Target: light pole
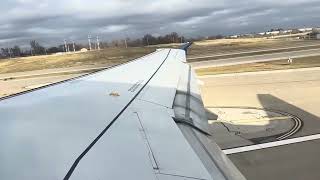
(74, 46)
(89, 40)
(65, 46)
(98, 42)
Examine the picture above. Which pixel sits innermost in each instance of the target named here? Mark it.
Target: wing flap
(172, 152)
(122, 153)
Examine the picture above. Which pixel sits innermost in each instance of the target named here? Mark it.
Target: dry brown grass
(106, 57)
(262, 66)
(222, 42)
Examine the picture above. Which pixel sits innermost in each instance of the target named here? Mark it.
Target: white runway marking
(271, 144)
(248, 121)
(37, 85)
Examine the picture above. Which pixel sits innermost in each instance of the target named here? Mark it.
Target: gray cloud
(51, 21)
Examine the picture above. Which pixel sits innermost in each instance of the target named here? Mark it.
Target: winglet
(186, 46)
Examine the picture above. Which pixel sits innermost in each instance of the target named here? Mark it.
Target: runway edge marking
(271, 144)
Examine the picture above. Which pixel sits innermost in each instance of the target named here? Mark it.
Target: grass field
(106, 57)
(262, 66)
(221, 42)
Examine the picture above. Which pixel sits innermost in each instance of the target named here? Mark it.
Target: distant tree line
(173, 37)
(37, 49)
(147, 40)
(219, 36)
(12, 52)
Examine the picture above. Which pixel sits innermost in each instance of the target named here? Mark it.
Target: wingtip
(186, 46)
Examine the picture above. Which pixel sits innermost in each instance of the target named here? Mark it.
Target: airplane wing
(143, 120)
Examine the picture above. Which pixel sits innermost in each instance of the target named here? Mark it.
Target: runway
(292, 91)
(256, 58)
(260, 50)
(294, 162)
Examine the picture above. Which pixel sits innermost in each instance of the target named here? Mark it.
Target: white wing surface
(143, 120)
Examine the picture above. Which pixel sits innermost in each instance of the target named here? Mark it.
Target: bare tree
(36, 48)
(16, 51)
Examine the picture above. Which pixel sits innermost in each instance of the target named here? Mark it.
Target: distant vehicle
(83, 50)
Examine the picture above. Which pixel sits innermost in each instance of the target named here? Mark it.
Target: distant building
(273, 33)
(248, 36)
(287, 31)
(305, 29)
(234, 36)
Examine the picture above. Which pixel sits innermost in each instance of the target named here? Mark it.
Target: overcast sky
(50, 21)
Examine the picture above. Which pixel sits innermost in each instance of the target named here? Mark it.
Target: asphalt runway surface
(9, 87)
(256, 50)
(292, 91)
(256, 58)
(208, 50)
(298, 161)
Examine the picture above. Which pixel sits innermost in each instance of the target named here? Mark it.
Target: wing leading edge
(141, 120)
